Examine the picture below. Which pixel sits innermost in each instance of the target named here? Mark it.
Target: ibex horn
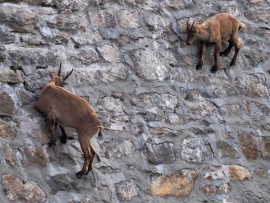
(192, 25)
(188, 24)
(59, 71)
(66, 77)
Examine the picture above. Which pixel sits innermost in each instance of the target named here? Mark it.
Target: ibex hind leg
(93, 153)
(85, 146)
(64, 135)
(237, 46)
(227, 50)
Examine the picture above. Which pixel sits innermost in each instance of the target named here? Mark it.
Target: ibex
(70, 110)
(221, 27)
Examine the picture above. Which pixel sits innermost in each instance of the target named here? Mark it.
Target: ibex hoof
(223, 53)
(79, 174)
(63, 141)
(213, 70)
(198, 67)
(52, 144)
(232, 63)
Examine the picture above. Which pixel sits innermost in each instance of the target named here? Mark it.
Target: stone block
(179, 183)
(19, 190)
(118, 148)
(162, 153)
(7, 106)
(248, 145)
(126, 190)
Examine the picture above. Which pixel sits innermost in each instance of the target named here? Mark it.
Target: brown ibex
(221, 27)
(70, 110)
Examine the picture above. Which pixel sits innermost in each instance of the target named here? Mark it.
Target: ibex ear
(51, 75)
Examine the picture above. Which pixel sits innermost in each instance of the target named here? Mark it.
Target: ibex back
(70, 110)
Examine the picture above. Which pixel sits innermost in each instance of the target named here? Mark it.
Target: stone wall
(172, 133)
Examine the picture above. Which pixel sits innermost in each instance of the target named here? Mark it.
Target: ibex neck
(51, 83)
(203, 34)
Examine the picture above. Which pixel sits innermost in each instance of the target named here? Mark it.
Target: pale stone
(17, 189)
(208, 189)
(236, 172)
(126, 190)
(129, 18)
(118, 148)
(110, 53)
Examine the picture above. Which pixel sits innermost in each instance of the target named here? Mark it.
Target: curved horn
(60, 69)
(66, 77)
(192, 25)
(187, 24)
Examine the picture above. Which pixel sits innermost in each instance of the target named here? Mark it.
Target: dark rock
(62, 182)
(7, 105)
(250, 197)
(248, 145)
(226, 151)
(162, 153)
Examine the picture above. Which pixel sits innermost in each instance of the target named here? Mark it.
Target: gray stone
(118, 148)
(126, 190)
(67, 23)
(252, 85)
(105, 193)
(110, 53)
(19, 18)
(62, 182)
(83, 56)
(166, 102)
(175, 119)
(150, 66)
(7, 106)
(101, 72)
(194, 150)
(258, 15)
(250, 197)
(28, 60)
(162, 153)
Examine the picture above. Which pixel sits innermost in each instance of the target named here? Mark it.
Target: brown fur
(68, 109)
(221, 27)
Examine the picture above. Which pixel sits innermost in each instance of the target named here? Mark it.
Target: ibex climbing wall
(171, 133)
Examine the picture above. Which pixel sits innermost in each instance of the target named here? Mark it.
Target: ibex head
(192, 33)
(58, 80)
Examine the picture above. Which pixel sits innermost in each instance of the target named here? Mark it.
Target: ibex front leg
(51, 129)
(216, 57)
(200, 62)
